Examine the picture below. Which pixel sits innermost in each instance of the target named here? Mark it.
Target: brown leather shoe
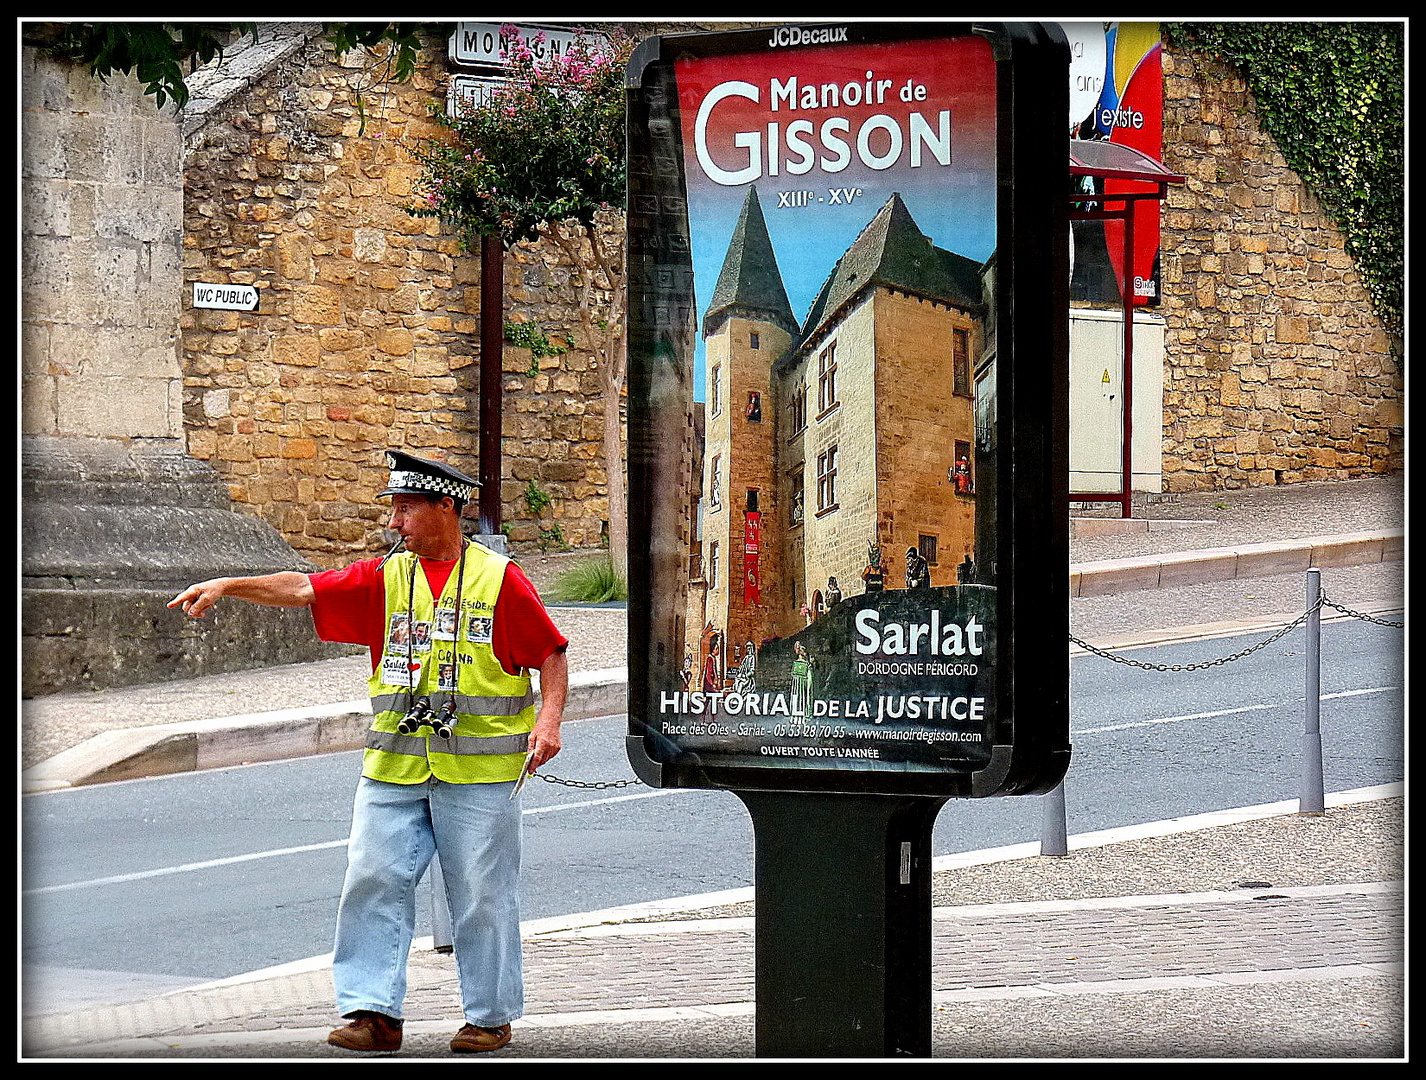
(368, 1031)
(473, 1040)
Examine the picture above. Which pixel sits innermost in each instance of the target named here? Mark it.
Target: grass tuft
(591, 582)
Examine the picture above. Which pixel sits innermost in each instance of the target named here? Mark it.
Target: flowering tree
(542, 157)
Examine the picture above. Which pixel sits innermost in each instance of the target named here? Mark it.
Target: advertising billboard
(1117, 95)
(847, 260)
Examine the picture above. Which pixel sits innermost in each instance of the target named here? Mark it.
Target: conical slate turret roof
(750, 283)
(892, 251)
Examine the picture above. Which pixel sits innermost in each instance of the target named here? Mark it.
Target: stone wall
(920, 420)
(100, 201)
(1276, 368)
(367, 334)
(554, 421)
(115, 517)
(749, 462)
(833, 539)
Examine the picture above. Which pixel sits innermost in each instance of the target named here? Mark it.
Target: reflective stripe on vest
(495, 710)
(395, 743)
(482, 706)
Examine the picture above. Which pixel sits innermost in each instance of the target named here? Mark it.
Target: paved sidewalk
(1273, 935)
(1266, 934)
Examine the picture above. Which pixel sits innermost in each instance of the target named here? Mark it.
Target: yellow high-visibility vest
(442, 652)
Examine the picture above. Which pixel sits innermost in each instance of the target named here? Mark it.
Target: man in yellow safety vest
(454, 630)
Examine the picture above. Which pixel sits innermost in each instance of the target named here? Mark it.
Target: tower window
(798, 408)
(827, 379)
(827, 480)
(960, 362)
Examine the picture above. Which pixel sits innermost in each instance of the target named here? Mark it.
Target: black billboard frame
(1031, 747)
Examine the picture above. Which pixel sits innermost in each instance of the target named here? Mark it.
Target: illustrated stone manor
(840, 452)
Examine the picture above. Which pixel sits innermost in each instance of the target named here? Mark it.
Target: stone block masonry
(115, 517)
(1276, 368)
(554, 423)
(100, 205)
(367, 334)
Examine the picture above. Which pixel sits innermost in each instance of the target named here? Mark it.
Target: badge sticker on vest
(421, 637)
(398, 631)
(446, 676)
(478, 629)
(398, 671)
(445, 626)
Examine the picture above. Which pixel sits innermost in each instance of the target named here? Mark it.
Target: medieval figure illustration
(874, 576)
(743, 675)
(712, 676)
(960, 476)
(801, 680)
(918, 571)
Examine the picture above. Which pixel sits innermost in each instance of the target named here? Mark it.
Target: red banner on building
(752, 539)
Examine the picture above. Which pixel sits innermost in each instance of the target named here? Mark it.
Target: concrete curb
(1206, 565)
(159, 749)
(1083, 527)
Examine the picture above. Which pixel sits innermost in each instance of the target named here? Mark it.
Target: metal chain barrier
(1054, 829)
(1323, 601)
(592, 785)
(1283, 632)
(1326, 602)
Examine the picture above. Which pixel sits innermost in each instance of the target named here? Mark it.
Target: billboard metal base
(843, 939)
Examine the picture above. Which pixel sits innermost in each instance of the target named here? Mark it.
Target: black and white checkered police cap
(411, 475)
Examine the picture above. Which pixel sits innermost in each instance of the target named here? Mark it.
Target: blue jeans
(396, 828)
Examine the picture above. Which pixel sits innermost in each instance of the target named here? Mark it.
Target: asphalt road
(147, 884)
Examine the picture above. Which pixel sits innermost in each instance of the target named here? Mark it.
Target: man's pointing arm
(286, 589)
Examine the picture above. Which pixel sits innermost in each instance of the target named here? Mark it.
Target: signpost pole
(843, 946)
(492, 343)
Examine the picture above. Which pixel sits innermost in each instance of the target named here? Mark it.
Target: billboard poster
(836, 585)
(1117, 95)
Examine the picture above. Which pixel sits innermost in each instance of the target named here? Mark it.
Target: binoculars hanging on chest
(422, 715)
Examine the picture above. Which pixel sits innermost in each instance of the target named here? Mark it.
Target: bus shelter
(1138, 179)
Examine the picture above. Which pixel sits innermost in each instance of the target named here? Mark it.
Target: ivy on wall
(1332, 96)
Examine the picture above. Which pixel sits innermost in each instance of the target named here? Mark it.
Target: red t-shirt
(350, 606)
